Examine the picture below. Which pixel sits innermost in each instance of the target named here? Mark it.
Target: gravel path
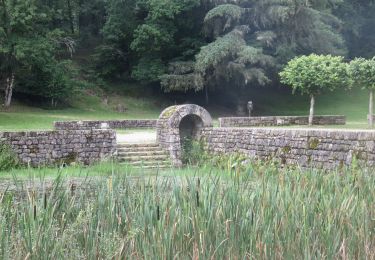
(137, 137)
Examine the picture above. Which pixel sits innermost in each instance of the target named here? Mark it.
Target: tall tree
(362, 73)
(315, 74)
(113, 57)
(162, 37)
(19, 23)
(358, 26)
(29, 52)
(249, 41)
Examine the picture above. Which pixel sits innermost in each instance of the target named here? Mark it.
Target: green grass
(99, 169)
(262, 213)
(21, 117)
(352, 104)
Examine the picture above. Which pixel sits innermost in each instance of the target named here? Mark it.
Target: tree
(31, 53)
(249, 41)
(358, 26)
(313, 75)
(19, 22)
(170, 25)
(362, 73)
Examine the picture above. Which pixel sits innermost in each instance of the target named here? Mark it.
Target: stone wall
(105, 124)
(279, 121)
(317, 148)
(53, 147)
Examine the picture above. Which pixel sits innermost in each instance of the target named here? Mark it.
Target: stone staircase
(145, 155)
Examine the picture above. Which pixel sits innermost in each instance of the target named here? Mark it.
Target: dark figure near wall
(250, 107)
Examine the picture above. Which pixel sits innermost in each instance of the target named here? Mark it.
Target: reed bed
(261, 213)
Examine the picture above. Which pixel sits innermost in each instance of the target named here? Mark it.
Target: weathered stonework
(40, 148)
(105, 124)
(279, 121)
(169, 127)
(316, 148)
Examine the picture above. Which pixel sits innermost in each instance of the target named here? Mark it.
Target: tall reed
(266, 212)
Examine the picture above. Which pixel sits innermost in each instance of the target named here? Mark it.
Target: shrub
(8, 159)
(193, 152)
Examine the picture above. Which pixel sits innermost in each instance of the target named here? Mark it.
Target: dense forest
(52, 49)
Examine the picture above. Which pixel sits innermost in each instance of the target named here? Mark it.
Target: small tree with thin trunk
(314, 74)
(362, 73)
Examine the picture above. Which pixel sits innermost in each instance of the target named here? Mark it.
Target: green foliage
(228, 14)
(362, 73)
(148, 69)
(271, 32)
(30, 53)
(162, 28)
(358, 23)
(315, 74)
(202, 214)
(158, 35)
(181, 77)
(223, 48)
(226, 10)
(232, 162)
(244, 43)
(110, 61)
(8, 159)
(193, 152)
(172, 82)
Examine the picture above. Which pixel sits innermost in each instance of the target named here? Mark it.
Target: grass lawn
(22, 117)
(353, 104)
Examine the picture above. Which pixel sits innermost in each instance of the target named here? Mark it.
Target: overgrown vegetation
(264, 212)
(8, 160)
(193, 152)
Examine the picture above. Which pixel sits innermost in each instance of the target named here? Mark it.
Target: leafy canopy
(362, 72)
(314, 74)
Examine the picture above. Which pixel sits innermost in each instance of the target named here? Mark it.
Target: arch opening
(177, 123)
(189, 127)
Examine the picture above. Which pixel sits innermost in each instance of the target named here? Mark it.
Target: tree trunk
(80, 17)
(312, 104)
(70, 13)
(371, 108)
(206, 95)
(8, 91)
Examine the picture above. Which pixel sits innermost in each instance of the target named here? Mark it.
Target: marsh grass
(263, 212)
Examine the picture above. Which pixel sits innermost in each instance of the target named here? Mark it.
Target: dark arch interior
(189, 127)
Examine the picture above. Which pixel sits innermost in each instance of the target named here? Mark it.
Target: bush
(8, 159)
(193, 152)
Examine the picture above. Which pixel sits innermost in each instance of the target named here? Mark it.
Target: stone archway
(180, 121)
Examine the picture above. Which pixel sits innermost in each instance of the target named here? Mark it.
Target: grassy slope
(87, 107)
(352, 104)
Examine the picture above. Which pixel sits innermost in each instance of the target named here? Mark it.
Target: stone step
(139, 149)
(143, 158)
(126, 145)
(144, 155)
(122, 153)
